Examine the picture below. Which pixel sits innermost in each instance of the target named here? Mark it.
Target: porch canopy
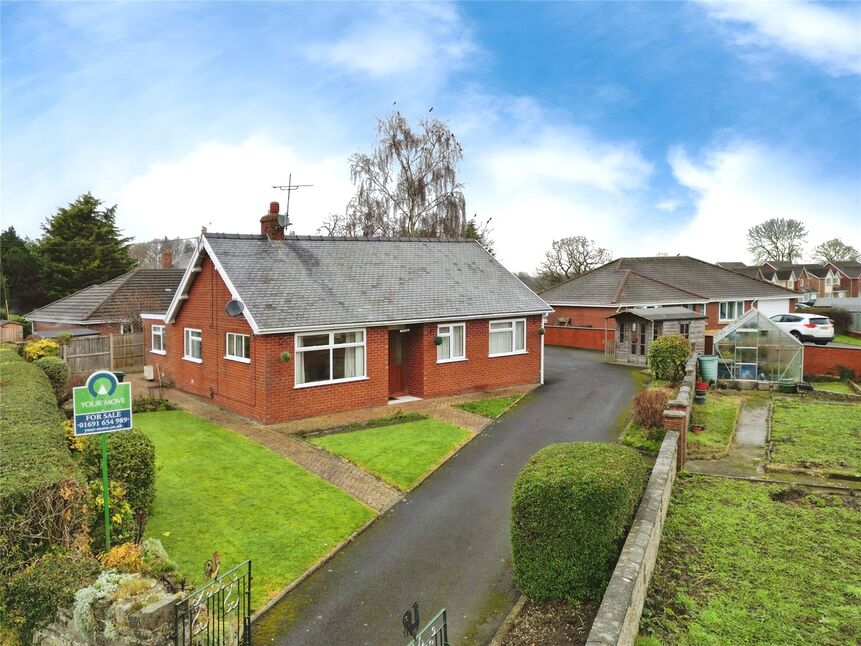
(660, 314)
(753, 348)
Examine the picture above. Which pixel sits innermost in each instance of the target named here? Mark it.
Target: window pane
(501, 342)
(310, 340)
(348, 362)
(346, 337)
(519, 335)
(246, 347)
(504, 325)
(313, 366)
(443, 350)
(457, 341)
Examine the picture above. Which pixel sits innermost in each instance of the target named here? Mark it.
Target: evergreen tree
(83, 246)
(21, 287)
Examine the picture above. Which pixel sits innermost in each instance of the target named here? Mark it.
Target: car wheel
(797, 336)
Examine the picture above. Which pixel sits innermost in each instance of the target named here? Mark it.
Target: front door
(396, 363)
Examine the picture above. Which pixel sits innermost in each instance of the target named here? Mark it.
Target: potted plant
(437, 340)
(696, 429)
(286, 356)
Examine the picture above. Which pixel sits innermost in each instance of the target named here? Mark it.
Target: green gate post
(106, 492)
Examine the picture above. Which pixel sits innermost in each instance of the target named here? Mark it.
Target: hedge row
(571, 509)
(34, 459)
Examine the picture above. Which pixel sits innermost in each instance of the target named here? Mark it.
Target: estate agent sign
(101, 406)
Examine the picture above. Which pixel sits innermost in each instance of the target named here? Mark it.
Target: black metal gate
(218, 613)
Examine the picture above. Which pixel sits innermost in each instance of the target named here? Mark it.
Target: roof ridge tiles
(321, 238)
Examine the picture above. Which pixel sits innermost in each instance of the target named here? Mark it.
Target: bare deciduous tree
(148, 254)
(779, 239)
(835, 250)
(132, 306)
(570, 257)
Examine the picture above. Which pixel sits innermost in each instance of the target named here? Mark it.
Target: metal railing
(218, 613)
(435, 632)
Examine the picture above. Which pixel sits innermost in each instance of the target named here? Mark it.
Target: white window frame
(450, 335)
(331, 347)
(186, 342)
(738, 307)
(236, 357)
(513, 326)
(160, 335)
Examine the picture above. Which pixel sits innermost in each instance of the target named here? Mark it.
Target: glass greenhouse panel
(753, 348)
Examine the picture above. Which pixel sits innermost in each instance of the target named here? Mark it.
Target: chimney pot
(274, 207)
(269, 223)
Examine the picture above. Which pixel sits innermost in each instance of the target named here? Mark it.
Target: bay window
(453, 346)
(330, 357)
(507, 337)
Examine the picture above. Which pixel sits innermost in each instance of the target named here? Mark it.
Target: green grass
(717, 416)
(218, 491)
(637, 437)
(399, 454)
(846, 339)
(492, 407)
(817, 435)
(834, 387)
(737, 567)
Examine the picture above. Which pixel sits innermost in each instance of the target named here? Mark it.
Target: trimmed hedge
(31, 597)
(571, 509)
(58, 373)
(36, 468)
(666, 353)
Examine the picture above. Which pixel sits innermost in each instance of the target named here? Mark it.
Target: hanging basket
(437, 340)
(286, 356)
(541, 331)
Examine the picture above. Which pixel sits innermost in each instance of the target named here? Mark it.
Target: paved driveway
(447, 544)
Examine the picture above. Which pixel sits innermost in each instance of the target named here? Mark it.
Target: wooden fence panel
(88, 353)
(127, 351)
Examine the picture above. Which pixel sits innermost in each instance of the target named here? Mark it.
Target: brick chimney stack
(166, 256)
(269, 223)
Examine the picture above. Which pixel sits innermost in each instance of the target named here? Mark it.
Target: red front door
(396, 363)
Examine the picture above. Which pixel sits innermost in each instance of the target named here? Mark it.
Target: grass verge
(746, 563)
(643, 439)
(847, 340)
(491, 407)
(400, 454)
(834, 387)
(218, 491)
(817, 435)
(718, 417)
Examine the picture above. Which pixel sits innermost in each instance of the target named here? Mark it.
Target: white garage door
(770, 308)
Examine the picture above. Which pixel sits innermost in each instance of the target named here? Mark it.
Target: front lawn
(817, 435)
(643, 439)
(399, 454)
(492, 407)
(847, 340)
(218, 491)
(834, 387)
(746, 563)
(718, 417)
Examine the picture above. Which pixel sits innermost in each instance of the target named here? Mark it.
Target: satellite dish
(283, 220)
(235, 307)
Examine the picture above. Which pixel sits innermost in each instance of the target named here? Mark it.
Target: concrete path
(446, 545)
(746, 458)
(752, 428)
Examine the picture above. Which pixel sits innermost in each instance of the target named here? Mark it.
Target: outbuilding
(638, 327)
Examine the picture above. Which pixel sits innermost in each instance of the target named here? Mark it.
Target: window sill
(192, 359)
(161, 352)
(237, 359)
(333, 382)
(507, 354)
(451, 360)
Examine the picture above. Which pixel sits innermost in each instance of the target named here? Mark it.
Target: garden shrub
(842, 318)
(41, 494)
(648, 407)
(58, 374)
(571, 508)
(126, 557)
(666, 353)
(31, 597)
(144, 404)
(38, 348)
(158, 565)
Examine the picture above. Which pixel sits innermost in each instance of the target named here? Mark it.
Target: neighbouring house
(11, 331)
(817, 279)
(113, 307)
(721, 294)
(281, 327)
(849, 274)
(851, 305)
(751, 271)
(637, 328)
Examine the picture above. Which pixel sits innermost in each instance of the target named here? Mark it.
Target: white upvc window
(238, 347)
(507, 337)
(157, 346)
(193, 340)
(730, 310)
(330, 357)
(453, 346)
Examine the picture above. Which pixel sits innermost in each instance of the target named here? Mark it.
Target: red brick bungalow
(330, 324)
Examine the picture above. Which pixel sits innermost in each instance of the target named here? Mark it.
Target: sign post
(103, 405)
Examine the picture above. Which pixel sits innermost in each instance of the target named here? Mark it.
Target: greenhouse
(752, 348)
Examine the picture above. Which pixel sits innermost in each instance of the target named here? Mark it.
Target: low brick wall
(826, 360)
(586, 338)
(618, 618)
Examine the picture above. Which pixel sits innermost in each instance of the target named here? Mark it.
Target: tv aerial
(284, 218)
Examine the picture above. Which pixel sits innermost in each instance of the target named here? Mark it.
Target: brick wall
(826, 360)
(583, 316)
(577, 337)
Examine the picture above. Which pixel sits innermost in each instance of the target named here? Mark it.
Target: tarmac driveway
(447, 544)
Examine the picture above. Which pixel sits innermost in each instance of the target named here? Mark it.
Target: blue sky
(649, 127)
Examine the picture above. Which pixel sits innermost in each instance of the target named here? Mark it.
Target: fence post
(111, 337)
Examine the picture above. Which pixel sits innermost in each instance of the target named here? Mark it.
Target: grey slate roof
(310, 281)
(662, 314)
(660, 280)
(150, 289)
(851, 269)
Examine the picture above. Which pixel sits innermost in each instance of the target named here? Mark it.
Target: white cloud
(743, 184)
(827, 36)
(228, 188)
(422, 39)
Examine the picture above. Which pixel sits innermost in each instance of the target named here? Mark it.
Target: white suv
(806, 327)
